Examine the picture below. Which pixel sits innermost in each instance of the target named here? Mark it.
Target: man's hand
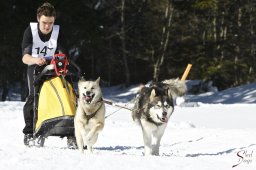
(40, 61)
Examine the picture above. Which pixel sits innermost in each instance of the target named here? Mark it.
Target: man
(40, 40)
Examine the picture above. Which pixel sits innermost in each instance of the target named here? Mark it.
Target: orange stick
(185, 74)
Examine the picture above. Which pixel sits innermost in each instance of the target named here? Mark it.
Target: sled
(54, 100)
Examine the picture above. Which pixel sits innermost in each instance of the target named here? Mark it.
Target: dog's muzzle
(164, 117)
(87, 98)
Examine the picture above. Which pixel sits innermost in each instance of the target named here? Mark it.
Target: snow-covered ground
(200, 135)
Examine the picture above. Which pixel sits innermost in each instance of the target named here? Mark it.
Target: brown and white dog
(153, 109)
(90, 114)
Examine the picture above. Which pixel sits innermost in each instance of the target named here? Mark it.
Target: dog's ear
(152, 94)
(168, 92)
(98, 80)
(81, 79)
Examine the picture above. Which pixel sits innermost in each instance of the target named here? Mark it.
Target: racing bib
(40, 48)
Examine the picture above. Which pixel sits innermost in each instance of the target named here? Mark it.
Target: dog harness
(40, 48)
(88, 117)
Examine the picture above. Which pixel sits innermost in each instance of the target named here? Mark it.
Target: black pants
(28, 109)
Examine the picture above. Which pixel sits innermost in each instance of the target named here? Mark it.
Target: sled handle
(48, 57)
(185, 74)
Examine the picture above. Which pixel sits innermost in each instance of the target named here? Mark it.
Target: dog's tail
(176, 87)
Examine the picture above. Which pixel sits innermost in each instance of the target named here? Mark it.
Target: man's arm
(27, 50)
(29, 60)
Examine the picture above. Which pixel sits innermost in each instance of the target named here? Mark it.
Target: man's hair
(47, 10)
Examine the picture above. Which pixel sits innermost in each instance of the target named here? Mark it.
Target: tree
(164, 40)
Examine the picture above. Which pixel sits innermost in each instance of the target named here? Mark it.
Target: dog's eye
(157, 106)
(167, 106)
(84, 87)
(92, 88)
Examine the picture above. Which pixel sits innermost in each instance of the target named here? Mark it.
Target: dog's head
(89, 91)
(160, 106)
(156, 101)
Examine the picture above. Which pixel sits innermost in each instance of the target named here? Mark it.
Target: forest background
(135, 41)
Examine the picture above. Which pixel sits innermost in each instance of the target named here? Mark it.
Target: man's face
(45, 24)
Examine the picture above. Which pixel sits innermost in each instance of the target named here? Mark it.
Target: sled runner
(54, 100)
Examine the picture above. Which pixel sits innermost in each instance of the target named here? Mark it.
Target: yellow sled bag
(56, 108)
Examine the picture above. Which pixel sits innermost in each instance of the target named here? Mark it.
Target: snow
(209, 131)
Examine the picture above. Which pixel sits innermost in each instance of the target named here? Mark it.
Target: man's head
(46, 15)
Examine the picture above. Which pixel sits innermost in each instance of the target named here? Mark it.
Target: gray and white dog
(90, 114)
(153, 108)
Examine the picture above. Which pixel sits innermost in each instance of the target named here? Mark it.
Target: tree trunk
(164, 42)
(122, 37)
(5, 90)
(239, 25)
(223, 35)
(253, 38)
(109, 62)
(214, 29)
